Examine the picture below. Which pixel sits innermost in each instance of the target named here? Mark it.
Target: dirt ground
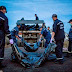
(48, 66)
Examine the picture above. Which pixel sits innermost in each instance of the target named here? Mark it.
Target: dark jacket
(58, 28)
(15, 32)
(4, 24)
(46, 34)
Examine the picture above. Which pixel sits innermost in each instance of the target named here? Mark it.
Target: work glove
(11, 41)
(51, 40)
(40, 40)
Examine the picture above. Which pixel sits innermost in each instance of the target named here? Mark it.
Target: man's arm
(54, 31)
(40, 36)
(17, 37)
(53, 34)
(6, 28)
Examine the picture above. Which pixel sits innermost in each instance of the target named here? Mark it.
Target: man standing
(36, 17)
(4, 29)
(15, 36)
(46, 34)
(70, 40)
(58, 34)
(37, 26)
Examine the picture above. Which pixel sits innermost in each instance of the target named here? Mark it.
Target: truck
(31, 31)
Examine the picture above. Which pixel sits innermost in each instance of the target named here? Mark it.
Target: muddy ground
(48, 66)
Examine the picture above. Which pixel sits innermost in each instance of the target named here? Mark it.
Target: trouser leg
(70, 46)
(58, 49)
(2, 45)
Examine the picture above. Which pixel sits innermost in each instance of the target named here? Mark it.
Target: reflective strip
(69, 52)
(1, 58)
(61, 27)
(2, 18)
(59, 58)
(59, 23)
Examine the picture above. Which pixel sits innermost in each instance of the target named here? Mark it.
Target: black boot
(1, 65)
(59, 61)
(68, 55)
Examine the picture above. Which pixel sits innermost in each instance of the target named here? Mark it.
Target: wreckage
(28, 48)
(30, 58)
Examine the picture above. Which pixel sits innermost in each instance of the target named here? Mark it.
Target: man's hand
(11, 41)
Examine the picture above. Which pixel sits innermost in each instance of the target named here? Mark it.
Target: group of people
(57, 34)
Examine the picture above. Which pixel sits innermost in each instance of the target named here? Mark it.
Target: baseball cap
(54, 15)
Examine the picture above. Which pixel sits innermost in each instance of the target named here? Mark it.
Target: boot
(1, 65)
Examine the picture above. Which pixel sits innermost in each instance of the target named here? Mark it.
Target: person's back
(3, 19)
(46, 34)
(14, 31)
(59, 30)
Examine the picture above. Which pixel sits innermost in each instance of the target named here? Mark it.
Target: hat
(54, 15)
(18, 24)
(43, 23)
(70, 20)
(3, 7)
(35, 14)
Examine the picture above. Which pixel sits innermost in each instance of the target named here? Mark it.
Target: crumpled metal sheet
(30, 59)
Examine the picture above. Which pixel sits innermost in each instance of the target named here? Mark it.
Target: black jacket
(4, 24)
(58, 28)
